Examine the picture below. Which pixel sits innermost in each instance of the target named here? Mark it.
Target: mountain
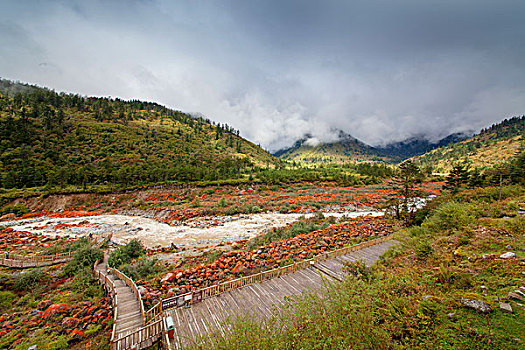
(414, 146)
(491, 146)
(348, 148)
(52, 139)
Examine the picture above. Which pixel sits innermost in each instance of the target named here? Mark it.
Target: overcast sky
(379, 70)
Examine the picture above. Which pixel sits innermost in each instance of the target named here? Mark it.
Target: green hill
(57, 139)
(346, 149)
(491, 146)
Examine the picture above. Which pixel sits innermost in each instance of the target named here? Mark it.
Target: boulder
(77, 334)
(9, 216)
(515, 296)
(507, 255)
(44, 304)
(167, 277)
(56, 309)
(476, 304)
(70, 322)
(505, 307)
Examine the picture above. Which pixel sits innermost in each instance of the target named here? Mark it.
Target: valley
(178, 215)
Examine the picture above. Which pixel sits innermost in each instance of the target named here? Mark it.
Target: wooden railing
(140, 337)
(203, 293)
(110, 287)
(21, 261)
(153, 313)
(133, 287)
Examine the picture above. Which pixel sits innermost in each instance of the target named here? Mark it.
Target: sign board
(197, 296)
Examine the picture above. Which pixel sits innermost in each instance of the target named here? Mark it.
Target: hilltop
(493, 145)
(58, 139)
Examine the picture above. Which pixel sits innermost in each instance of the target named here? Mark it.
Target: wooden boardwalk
(26, 262)
(128, 315)
(263, 298)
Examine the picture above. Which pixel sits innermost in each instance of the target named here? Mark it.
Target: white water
(153, 233)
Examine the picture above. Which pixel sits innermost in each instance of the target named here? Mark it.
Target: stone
(484, 290)
(167, 277)
(70, 322)
(451, 316)
(515, 296)
(476, 304)
(8, 217)
(55, 309)
(32, 347)
(505, 307)
(77, 334)
(507, 255)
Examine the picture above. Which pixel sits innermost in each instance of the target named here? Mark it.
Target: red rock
(44, 304)
(8, 216)
(70, 322)
(169, 276)
(77, 334)
(55, 309)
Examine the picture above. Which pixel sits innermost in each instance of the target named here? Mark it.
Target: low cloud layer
(379, 70)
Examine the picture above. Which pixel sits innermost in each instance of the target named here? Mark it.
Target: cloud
(278, 70)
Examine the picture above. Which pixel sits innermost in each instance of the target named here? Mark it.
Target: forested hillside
(493, 145)
(346, 149)
(57, 139)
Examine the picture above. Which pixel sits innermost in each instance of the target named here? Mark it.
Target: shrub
(6, 300)
(125, 254)
(417, 231)
(255, 209)
(232, 210)
(463, 280)
(445, 275)
(450, 216)
(27, 280)
(359, 270)
(141, 269)
(392, 252)
(464, 239)
(60, 343)
(429, 308)
(515, 225)
(15, 209)
(297, 228)
(84, 257)
(223, 203)
(423, 249)
(85, 283)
